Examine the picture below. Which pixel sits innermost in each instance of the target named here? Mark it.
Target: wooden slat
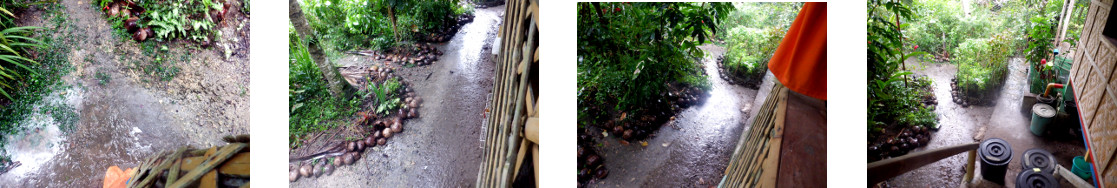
(173, 174)
(772, 163)
(209, 180)
(225, 153)
(531, 131)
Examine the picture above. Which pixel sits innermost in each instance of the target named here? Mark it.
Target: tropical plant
(890, 91)
(14, 66)
(750, 49)
(982, 65)
(377, 24)
(628, 53)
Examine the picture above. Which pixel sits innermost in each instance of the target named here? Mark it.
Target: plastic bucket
(1041, 116)
(1040, 159)
(1082, 168)
(995, 154)
(1035, 178)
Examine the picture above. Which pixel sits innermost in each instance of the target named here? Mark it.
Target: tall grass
(14, 41)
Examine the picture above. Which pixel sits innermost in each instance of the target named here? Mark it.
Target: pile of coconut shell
(967, 99)
(683, 97)
(375, 129)
(591, 166)
(132, 12)
(447, 32)
(894, 145)
(416, 54)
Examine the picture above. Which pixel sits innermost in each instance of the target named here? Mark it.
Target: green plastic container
(1063, 65)
(1082, 168)
(1041, 116)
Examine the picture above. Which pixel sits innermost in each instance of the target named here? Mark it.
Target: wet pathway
(961, 125)
(441, 148)
(693, 154)
(121, 117)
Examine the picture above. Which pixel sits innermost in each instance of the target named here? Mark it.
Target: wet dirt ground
(960, 125)
(691, 151)
(441, 148)
(125, 115)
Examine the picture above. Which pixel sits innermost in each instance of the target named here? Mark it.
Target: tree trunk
(338, 87)
(392, 15)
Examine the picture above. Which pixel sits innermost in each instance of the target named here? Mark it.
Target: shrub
(628, 53)
(982, 65)
(750, 49)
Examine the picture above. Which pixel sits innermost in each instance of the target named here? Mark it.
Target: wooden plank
(239, 165)
(143, 172)
(209, 180)
(535, 162)
(177, 158)
(211, 162)
(772, 162)
(1063, 173)
(163, 164)
(531, 130)
(892, 167)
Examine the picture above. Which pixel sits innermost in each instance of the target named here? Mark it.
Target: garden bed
(386, 103)
(901, 136)
(749, 80)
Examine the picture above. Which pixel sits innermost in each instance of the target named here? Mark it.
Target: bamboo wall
(1096, 90)
(511, 128)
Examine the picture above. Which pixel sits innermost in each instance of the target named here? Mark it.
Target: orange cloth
(116, 178)
(800, 61)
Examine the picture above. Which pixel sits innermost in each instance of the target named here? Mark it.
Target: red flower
(1043, 61)
(618, 9)
(915, 47)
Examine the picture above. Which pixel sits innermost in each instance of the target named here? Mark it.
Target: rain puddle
(43, 133)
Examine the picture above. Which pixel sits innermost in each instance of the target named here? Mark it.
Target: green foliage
(939, 26)
(982, 65)
(313, 109)
(102, 77)
(629, 52)
(182, 19)
(44, 77)
(13, 65)
(750, 49)
(760, 15)
(378, 24)
(893, 98)
(385, 93)
(1041, 33)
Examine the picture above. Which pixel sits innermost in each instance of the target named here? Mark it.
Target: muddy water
(123, 115)
(691, 151)
(960, 125)
(441, 147)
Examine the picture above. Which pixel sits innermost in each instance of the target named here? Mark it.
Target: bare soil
(125, 114)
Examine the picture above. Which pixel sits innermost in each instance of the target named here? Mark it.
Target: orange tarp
(116, 178)
(800, 61)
